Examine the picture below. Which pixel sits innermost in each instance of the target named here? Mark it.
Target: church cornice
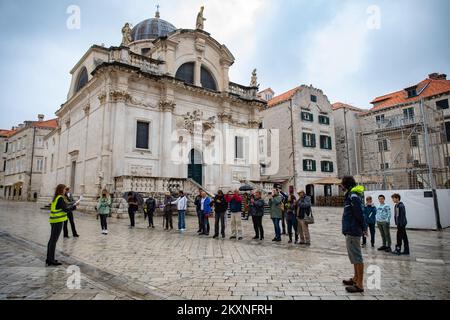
(166, 79)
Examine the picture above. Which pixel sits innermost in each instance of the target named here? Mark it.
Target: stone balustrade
(249, 93)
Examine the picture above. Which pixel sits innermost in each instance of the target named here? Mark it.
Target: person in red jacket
(235, 202)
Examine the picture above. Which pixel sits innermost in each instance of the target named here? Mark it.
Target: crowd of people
(291, 215)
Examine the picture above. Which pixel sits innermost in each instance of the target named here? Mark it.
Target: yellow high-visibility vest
(57, 215)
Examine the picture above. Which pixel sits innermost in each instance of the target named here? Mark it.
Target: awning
(327, 181)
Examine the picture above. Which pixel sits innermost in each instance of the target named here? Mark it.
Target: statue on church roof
(200, 25)
(126, 35)
(254, 81)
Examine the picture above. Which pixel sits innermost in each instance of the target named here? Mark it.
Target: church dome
(152, 29)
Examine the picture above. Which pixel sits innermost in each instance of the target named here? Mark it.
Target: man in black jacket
(220, 208)
(257, 211)
(68, 198)
(150, 207)
(401, 222)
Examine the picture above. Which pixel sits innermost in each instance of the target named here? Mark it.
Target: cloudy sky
(354, 50)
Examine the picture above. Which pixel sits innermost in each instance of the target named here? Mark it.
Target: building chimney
(437, 76)
(41, 117)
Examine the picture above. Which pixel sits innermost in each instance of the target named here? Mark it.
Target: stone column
(167, 108)
(225, 174)
(198, 72)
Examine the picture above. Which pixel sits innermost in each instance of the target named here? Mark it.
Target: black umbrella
(246, 187)
(138, 197)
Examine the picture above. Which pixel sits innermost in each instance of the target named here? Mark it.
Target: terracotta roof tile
(283, 97)
(51, 124)
(340, 105)
(426, 88)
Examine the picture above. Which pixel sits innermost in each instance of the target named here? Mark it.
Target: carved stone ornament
(167, 106)
(87, 109)
(190, 120)
(225, 117)
(120, 96)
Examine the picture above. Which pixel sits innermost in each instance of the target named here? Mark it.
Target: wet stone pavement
(156, 264)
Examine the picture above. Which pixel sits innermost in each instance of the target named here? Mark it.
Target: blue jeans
(181, 219)
(276, 224)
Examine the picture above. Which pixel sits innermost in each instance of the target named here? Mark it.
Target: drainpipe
(346, 142)
(32, 160)
(293, 144)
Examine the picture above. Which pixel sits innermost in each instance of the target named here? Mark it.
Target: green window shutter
(331, 167)
(312, 117)
(314, 165)
(304, 139)
(313, 140)
(330, 146)
(322, 166)
(304, 165)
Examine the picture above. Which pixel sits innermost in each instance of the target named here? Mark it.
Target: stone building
(4, 136)
(23, 159)
(304, 118)
(347, 127)
(405, 137)
(157, 113)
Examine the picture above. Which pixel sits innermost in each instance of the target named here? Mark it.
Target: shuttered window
(309, 140)
(324, 120)
(327, 166)
(325, 143)
(309, 165)
(307, 116)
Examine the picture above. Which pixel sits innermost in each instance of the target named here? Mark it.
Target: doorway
(310, 193)
(195, 167)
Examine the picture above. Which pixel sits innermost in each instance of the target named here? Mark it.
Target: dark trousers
(220, 219)
(276, 224)
(54, 236)
(199, 216)
(72, 225)
(372, 235)
(131, 214)
(257, 225)
(150, 218)
(292, 225)
(168, 221)
(402, 237)
(283, 222)
(205, 228)
(103, 221)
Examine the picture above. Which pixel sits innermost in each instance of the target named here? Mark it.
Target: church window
(82, 80)
(207, 80)
(142, 135)
(186, 73)
(239, 148)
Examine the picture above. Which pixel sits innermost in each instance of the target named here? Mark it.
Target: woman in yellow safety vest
(58, 215)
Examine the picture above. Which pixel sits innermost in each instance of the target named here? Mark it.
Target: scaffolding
(406, 151)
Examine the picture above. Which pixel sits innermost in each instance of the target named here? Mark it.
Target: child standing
(384, 221)
(401, 222)
(370, 214)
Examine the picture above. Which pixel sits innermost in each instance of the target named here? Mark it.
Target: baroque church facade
(157, 113)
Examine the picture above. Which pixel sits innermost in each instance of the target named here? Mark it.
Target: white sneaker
(106, 231)
(103, 231)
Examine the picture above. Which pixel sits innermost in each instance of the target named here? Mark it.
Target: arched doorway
(310, 192)
(195, 167)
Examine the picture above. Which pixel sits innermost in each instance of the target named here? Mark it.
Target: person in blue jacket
(353, 228)
(370, 215)
(206, 211)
